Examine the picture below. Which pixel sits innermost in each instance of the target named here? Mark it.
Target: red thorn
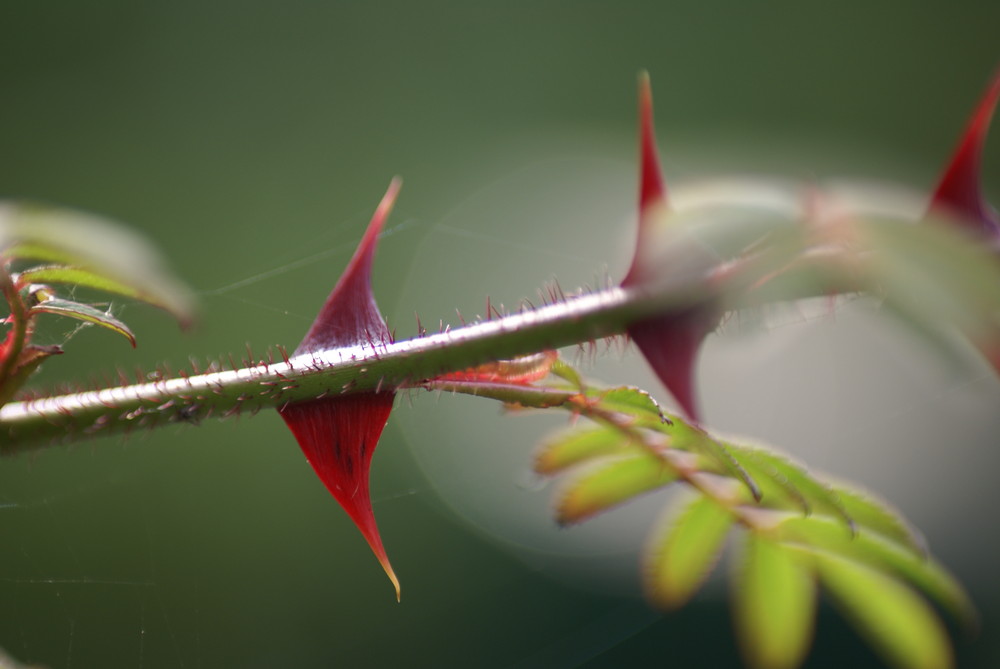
(651, 189)
(652, 192)
(959, 193)
(669, 343)
(338, 434)
(338, 437)
(350, 309)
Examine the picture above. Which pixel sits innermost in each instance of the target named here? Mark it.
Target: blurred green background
(251, 141)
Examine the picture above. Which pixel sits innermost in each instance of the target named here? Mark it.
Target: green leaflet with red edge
(578, 446)
(774, 605)
(819, 534)
(897, 621)
(682, 556)
(338, 435)
(612, 483)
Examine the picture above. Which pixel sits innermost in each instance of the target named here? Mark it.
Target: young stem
(18, 333)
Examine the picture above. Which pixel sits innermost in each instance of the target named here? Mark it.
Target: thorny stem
(36, 422)
(33, 423)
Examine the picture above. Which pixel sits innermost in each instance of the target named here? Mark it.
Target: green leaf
(611, 484)
(897, 622)
(809, 493)
(78, 276)
(826, 535)
(690, 438)
(565, 371)
(683, 556)
(30, 251)
(774, 605)
(632, 401)
(576, 446)
(84, 312)
(875, 514)
(776, 491)
(66, 237)
(637, 406)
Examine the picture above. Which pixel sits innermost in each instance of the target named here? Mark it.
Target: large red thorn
(652, 193)
(338, 435)
(960, 193)
(350, 316)
(669, 343)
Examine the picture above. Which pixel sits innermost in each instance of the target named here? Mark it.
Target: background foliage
(244, 138)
